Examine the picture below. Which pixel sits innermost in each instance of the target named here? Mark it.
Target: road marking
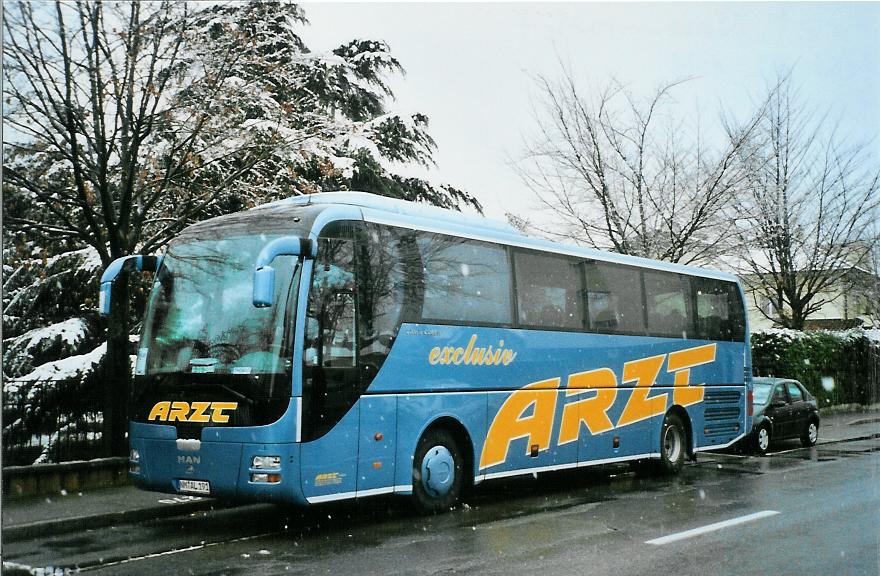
(100, 565)
(712, 527)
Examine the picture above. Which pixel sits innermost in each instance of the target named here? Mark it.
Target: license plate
(195, 486)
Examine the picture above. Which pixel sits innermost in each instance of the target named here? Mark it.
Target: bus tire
(673, 445)
(438, 472)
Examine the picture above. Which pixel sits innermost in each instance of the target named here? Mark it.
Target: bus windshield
(201, 319)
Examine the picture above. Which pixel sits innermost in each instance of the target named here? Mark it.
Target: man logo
(190, 462)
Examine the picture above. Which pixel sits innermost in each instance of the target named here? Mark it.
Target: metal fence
(52, 421)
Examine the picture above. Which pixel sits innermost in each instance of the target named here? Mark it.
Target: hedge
(851, 360)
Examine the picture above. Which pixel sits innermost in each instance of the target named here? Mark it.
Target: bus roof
(392, 211)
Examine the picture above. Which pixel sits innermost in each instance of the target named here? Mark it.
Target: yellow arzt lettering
(590, 411)
(681, 362)
(217, 408)
(179, 410)
(509, 423)
(644, 373)
(198, 414)
(159, 411)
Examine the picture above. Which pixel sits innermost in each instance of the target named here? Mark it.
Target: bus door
(331, 379)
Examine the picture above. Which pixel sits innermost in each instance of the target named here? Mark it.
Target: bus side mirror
(264, 274)
(124, 264)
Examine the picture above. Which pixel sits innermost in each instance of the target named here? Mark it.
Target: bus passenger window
(719, 310)
(668, 297)
(465, 280)
(614, 298)
(549, 291)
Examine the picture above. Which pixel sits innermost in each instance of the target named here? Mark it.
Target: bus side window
(736, 313)
(328, 315)
(331, 381)
(339, 337)
(466, 281)
(668, 298)
(382, 290)
(549, 291)
(719, 307)
(614, 298)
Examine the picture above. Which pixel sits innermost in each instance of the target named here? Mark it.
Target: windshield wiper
(237, 394)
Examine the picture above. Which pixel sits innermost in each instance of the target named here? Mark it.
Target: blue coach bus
(343, 345)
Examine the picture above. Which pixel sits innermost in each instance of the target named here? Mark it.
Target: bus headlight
(266, 462)
(134, 456)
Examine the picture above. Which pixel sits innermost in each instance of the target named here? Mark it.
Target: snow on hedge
(68, 368)
(72, 332)
(39, 345)
(789, 334)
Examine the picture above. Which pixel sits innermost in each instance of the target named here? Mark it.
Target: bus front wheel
(438, 472)
(673, 444)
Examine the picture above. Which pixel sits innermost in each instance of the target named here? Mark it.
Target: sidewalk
(848, 426)
(26, 518)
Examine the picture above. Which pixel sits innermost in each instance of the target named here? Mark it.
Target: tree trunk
(798, 319)
(117, 371)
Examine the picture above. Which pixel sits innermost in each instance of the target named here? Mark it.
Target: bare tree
(612, 174)
(804, 219)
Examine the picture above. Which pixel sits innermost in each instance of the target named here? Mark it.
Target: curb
(864, 421)
(873, 436)
(33, 529)
(45, 479)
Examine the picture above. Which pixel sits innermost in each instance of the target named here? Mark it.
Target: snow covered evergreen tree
(125, 122)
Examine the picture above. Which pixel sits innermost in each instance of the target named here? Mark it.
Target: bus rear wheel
(438, 472)
(673, 445)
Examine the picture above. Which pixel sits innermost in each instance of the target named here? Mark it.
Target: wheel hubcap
(672, 443)
(813, 432)
(438, 471)
(763, 439)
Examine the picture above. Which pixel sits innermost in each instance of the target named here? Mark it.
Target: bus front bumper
(238, 471)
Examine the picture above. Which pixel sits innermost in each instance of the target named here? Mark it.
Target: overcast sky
(471, 67)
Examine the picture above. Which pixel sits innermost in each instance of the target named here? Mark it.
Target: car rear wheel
(811, 434)
(762, 439)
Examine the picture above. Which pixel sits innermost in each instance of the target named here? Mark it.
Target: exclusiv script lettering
(472, 355)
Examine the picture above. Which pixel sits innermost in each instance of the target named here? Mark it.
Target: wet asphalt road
(592, 521)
